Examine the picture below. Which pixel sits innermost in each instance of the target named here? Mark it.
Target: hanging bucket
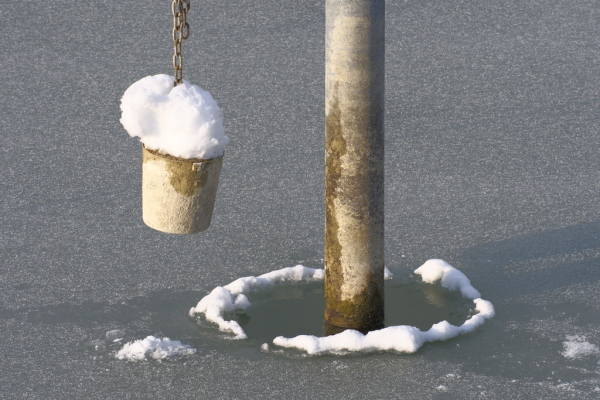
(178, 194)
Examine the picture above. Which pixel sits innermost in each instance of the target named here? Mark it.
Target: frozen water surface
(491, 164)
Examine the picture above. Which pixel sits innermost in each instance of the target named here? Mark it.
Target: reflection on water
(297, 309)
(422, 305)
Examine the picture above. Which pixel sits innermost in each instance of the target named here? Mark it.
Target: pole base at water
(178, 194)
(330, 330)
(354, 133)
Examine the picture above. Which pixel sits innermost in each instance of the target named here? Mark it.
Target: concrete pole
(354, 133)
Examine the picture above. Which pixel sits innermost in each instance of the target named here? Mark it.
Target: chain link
(181, 31)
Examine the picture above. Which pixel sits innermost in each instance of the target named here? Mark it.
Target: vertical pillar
(354, 135)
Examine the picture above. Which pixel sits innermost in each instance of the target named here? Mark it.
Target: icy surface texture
(577, 347)
(491, 153)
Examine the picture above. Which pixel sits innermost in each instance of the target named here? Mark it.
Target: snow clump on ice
(183, 121)
(153, 347)
(448, 276)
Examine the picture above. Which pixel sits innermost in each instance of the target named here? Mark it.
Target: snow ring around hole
(401, 338)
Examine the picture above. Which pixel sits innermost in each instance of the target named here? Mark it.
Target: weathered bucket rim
(167, 156)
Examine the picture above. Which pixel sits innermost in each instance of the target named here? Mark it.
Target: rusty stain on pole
(354, 134)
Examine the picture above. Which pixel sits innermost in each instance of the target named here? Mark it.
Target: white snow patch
(183, 121)
(449, 277)
(577, 347)
(402, 338)
(405, 339)
(115, 335)
(387, 274)
(153, 347)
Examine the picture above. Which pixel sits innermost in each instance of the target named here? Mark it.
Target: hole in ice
(230, 308)
(297, 308)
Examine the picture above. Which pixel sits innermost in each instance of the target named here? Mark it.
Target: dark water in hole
(297, 309)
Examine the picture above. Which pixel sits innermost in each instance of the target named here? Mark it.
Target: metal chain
(181, 31)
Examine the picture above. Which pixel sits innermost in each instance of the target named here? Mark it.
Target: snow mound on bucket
(402, 338)
(183, 121)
